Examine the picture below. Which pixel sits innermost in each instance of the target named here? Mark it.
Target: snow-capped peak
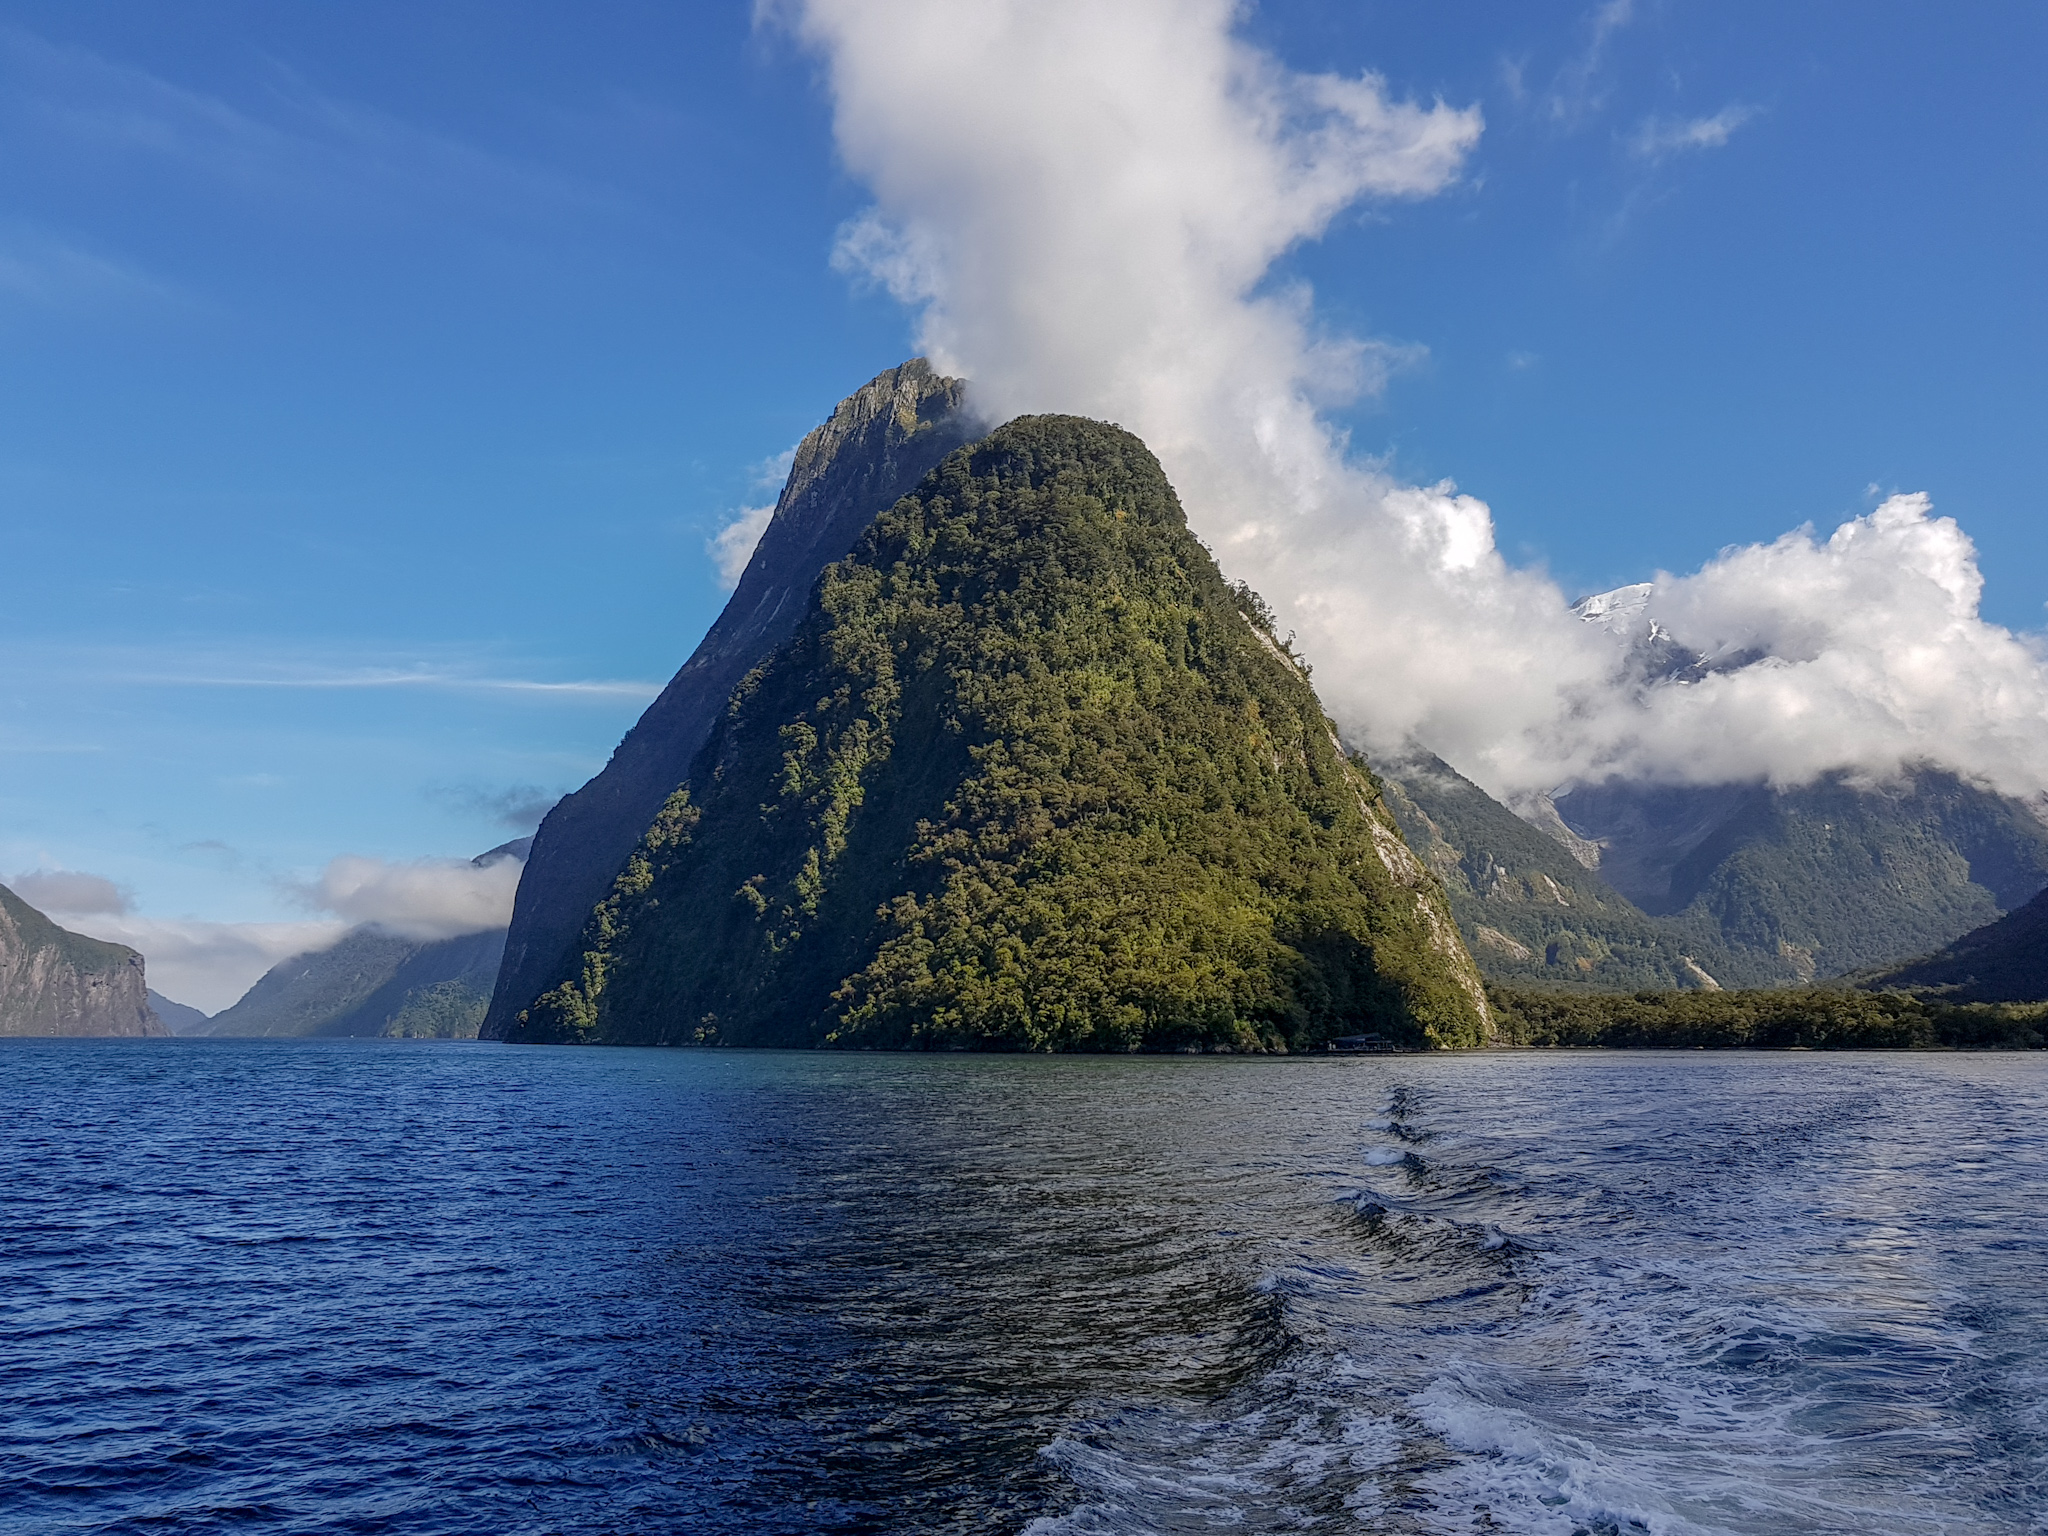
(1621, 607)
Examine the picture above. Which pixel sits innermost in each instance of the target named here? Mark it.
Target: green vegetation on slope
(1029, 776)
(2005, 961)
(371, 984)
(1531, 912)
(1812, 1018)
(1825, 879)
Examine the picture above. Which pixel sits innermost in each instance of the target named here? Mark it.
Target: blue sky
(375, 376)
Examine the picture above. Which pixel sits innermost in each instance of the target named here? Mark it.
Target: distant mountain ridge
(179, 1018)
(877, 444)
(1531, 911)
(1819, 880)
(372, 984)
(377, 984)
(56, 982)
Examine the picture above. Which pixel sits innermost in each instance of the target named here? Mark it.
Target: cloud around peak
(417, 899)
(1097, 230)
(71, 892)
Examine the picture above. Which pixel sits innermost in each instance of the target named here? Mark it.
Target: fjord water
(411, 1288)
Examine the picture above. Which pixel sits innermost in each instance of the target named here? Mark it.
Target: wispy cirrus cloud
(284, 138)
(44, 270)
(1576, 92)
(1658, 138)
(591, 688)
(273, 666)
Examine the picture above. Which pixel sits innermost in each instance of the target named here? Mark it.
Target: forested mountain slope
(877, 444)
(1824, 879)
(1029, 775)
(1531, 912)
(2003, 962)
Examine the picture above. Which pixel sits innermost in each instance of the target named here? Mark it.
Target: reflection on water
(456, 1288)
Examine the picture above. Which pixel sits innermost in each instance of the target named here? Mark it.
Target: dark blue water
(394, 1287)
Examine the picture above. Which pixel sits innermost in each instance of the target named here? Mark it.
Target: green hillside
(372, 984)
(1029, 775)
(2005, 961)
(1532, 913)
(1821, 880)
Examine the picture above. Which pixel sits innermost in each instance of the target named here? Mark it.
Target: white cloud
(1576, 92)
(1659, 137)
(274, 665)
(70, 891)
(1874, 658)
(207, 965)
(51, 272)
(1094, 231)
(734, 544)
(423, 899)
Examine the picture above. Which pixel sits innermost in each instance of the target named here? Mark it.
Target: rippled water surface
(413, 1288)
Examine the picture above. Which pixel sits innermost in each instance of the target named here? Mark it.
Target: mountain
(374, 983)
(1028, 775)
(1530, 910)
(178, 1018)
(1827, 878)
(877, 445)
(1823, 879)
(55, 982)
(371, 984)
(2002, 962)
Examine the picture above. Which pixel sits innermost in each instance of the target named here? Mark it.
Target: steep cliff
(879, 442)
(55, 982)
(1030, 775)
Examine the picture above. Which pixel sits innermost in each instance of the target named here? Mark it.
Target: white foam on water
(1627, 1327)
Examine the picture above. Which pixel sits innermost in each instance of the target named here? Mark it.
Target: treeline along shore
(1782, 1019)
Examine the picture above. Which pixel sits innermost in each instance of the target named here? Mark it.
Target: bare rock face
(55, 982)
(877, 445)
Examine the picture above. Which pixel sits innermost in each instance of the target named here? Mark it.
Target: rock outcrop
(55, 982)
(877, 445)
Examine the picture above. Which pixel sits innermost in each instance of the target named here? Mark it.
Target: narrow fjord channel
(440, 1288)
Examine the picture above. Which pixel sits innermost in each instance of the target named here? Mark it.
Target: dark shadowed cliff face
(1029, 775)
(55, 982)
(877, 445)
